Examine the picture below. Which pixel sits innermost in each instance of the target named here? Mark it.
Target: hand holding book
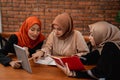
(73, 62)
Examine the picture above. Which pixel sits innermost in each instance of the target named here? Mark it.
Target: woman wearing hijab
(28, 36)
(105, 38)
(63, 40)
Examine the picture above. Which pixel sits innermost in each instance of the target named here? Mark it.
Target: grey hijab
(103, 32)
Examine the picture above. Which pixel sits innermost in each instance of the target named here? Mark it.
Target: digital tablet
(22, 56)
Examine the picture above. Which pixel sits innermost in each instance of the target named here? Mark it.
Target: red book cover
(73, 62)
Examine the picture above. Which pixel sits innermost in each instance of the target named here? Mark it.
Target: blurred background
(83, 12)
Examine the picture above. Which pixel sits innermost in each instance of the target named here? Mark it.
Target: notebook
(73, 62)
(46, 61)
(22, 56)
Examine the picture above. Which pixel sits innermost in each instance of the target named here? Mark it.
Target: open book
(46, 61)
(73, 62)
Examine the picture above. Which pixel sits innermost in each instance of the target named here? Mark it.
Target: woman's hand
(15, 64)
(65, 69)
(37, 55)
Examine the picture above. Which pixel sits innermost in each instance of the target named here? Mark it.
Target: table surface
(40, 72)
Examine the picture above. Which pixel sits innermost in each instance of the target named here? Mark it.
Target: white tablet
(22, 56)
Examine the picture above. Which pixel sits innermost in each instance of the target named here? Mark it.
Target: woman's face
(34, 32)
(58, 30)
(92, 40)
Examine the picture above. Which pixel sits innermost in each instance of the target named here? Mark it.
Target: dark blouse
(9, 48)
(107, 64)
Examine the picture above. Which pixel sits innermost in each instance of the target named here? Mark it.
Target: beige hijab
(103, 32)
(65, 21)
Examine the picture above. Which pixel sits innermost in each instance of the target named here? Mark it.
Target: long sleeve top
(72, 45)
(9, 48)
(107, 65)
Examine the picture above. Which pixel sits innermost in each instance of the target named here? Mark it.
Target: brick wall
(84, 12)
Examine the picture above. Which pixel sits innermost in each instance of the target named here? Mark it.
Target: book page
(46, 61)
(58, 60)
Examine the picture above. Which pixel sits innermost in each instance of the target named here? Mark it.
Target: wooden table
(40, 72)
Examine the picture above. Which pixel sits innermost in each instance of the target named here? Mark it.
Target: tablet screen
(21, 55)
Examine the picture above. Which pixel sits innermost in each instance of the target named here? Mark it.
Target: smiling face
(63, 25)
(58, 30)
(34, 32)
